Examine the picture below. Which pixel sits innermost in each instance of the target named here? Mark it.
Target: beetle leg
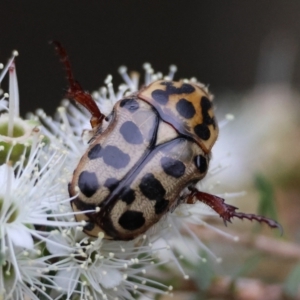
(226, 211)
(75, 90)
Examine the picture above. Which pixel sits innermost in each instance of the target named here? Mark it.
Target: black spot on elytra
(151, 187)
(170, 88)
(88, 183)
(89, 226)
(206, 105)
(160, 96)
(160, 206)
(111, 183)
(131, 133)
(185, 108)
(95, 152)
(115, 157)
(168, 84)
(130, 104)
(185, 89)
(128, 196)
(172, 167)
(82, 206)
(132, 220)
(154, 190)
(202, 131)
(201, 163)
(111, 155)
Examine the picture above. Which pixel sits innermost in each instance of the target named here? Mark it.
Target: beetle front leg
(75, 90)
(226, 211)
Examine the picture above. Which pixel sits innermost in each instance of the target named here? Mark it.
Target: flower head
(43, 250)
(31, 177)
(99, 268)
(72, 127)
(16, 134)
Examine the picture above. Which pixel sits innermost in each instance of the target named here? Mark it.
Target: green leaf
(2, 259)
(292, 283)
(204, 275)
(267, 198)
(250, 264)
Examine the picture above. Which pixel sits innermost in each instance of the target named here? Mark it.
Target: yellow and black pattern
(135, 170)
(185, 106)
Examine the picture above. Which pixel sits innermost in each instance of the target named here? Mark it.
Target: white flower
(27, 178)
(31, 198)
(24, 275)
(69, 127)
(16, 135)
(100, 268)
(43, 250)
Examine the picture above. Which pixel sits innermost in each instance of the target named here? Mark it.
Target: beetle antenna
(75, 90)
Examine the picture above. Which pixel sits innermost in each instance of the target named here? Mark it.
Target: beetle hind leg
(75, 90)
(226, 211)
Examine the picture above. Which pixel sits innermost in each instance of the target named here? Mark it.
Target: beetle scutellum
(145, 158)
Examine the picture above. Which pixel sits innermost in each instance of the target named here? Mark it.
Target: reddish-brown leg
(75, 91)
(227, 211)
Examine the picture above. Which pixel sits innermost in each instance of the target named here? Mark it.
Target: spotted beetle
(145, 158)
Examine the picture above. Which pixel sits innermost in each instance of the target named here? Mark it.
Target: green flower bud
(16, 146)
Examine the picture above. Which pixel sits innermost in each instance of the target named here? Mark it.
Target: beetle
(145, 158)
